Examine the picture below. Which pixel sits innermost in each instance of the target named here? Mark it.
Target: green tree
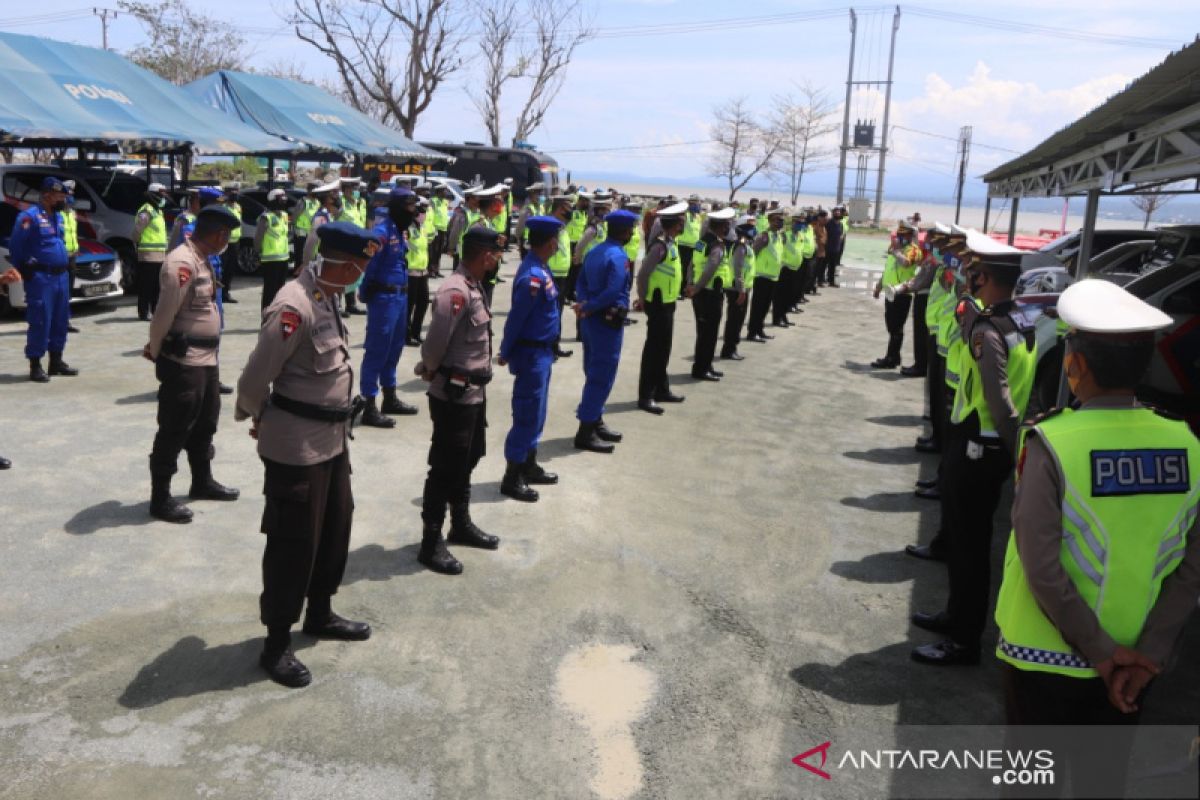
(182, 43)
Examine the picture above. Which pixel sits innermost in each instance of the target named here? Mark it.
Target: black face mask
(61, 205)
(279, 205)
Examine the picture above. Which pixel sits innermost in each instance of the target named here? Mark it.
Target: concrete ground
(676, 620)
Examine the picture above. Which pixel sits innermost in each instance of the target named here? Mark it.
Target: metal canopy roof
(1149, 133)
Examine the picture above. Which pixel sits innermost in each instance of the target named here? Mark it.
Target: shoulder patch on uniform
(289, 322)
(185, 275)
(26, 222)
(457, 302)
(535, 284)
(1045, 415)
(700, 247)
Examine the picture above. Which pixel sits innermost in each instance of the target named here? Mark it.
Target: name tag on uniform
(1128, 472)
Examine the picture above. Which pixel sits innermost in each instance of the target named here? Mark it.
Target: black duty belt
(311, 410)
(475, 378)
(534, 343)
(177, 344)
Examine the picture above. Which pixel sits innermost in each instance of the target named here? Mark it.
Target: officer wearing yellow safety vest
(658, 286)
(993, 391)
(693, 220)
(354, 210)
(420, 237)
(1103, 565)
(535, 206)
(439, 210)
(787, 290)
(230, 259)
(150, 238)
(768, 262)
(595, 231)
(491, 210)
(271, 244)
(70, 230)
(903, 258)
(737, 294)
(302, 223)
(711, 273)
(560, 264)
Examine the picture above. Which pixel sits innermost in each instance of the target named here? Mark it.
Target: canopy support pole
(270, 173)
(1082, 257)
(1012, 220)
(171, 164)
(987, 212)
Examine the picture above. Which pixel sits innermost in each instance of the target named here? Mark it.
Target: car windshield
(120, 192)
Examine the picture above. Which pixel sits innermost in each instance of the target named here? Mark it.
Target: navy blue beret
(219, 214)
(544, 225)
(621, 218)
(348, 238)
(483, 237)
(52, 184)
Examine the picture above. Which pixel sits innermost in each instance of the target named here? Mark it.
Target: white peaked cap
(724, 213)
(1097, 306)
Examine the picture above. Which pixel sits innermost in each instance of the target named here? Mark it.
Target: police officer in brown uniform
(297, 388)
(185, 333)
(456, 361)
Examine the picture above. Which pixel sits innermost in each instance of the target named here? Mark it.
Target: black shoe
(60, 367)
(716, 373)
(586, 439)
(394, 405)
(668, 397)
(928, 494)
(560, 353)
(285, 669)
(5, 463)
(757, 338)
(927, 446)
(434, 555)
(884, 363)
(71, 328)
(144, 317)
(360, 312)
(927, 483)
(345, 314)
(209, 489)
(230, 299)
(912, 372)
(946, 654)
(224, 388)
(924, 552)
(705, 376)
(766, 337)
(411, 342)
(169, 509)
(468, 534)
(734, 356)
(606, 433)
(36, 373)
(514, 484)
(934, 623)
(372, 417)
(833, 285)
(783, 323)
(335, 627)
(535, 474)
(650, 406)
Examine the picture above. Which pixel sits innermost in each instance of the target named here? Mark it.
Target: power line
(635, 147)
(956, 139)
(1040, 30)
(46, 19)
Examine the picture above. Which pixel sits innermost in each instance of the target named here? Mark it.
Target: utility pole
(841, 186)
(887, 107)
(964, 153)
(103, 14)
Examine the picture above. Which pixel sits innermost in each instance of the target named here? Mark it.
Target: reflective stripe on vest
(235, 234)
(70, 231)
(275, 239)
(154, 236)
(417, 254)
(667, 276)
(1126, 513)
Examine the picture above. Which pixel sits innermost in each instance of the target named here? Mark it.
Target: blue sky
(1015, 88)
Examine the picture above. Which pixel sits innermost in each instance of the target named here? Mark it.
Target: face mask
(224, 247)
(974, 284)
(357, 194)
(71, 200)
(319, 266)
(59, 206)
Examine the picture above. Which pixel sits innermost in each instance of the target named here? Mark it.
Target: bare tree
(802, 120)
(362, 38)
(1150, 202)
(184, 44)
(532, 41)
(744, 147)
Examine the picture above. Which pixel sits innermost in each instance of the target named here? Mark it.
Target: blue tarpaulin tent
(304, 113)
(58, 94)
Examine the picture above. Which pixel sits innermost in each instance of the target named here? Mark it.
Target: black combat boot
(60, 367)
(514, 484)
(372, 417)
(36, 373)
(586, 439)
(465, 532)
(321, 622)
(205, 487)
(281, 663)
(606, 433)
(162, 505)
(535, 474)
(394, 405)
(433, 552)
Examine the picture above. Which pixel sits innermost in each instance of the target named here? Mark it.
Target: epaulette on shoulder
(1164, 413)
(1045, 415)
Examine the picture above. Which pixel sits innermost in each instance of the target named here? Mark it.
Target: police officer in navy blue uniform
(602, 290)
(530, 336)
(384, 291)
(38, 251)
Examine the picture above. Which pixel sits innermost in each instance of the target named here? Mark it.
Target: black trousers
(895, 314)
(230, 264)
(1095, 766)
(437, 246)
(189, 403)
(418, 303)
(297, 254)
(568, 293)
(920, 333)
(307, 520)
(275, 275)
(808, 276)
(489, 288)
(560, 281)
(706, 306)
(457, 445)
(830, 265)
(656, 353)
(970, 489)
(685, 260)
(147, 286)
(735, 316)
(785, 293)
(935, 388)
(760, 303)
